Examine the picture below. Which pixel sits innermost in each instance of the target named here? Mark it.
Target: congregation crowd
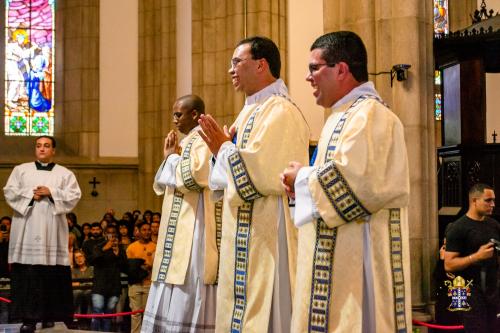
(110, 263)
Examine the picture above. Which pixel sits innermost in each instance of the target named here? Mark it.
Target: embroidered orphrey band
(397, 269)
(218, 233)
(241, 265)
(243, 223)
(339, 193)
(169, 239)
(322, 277)
(349, 208)
(186, 174)
(246, 189)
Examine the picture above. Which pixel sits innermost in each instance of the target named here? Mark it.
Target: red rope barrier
(107, 315)
(439, 327)
(97, 315)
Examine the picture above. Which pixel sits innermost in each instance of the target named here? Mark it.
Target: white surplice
(39, 231)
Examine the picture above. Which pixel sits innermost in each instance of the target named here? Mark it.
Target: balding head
(187, 110)
(192, 103)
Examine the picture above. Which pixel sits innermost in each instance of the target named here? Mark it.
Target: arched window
(29, 63)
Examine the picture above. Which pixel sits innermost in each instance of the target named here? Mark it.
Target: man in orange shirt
(144, 249)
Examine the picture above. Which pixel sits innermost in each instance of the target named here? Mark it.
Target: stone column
(401, 32)
(217, 26)
(78, 77)
(460, 12)
(157, 73)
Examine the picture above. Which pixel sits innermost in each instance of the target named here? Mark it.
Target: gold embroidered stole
(247, 192)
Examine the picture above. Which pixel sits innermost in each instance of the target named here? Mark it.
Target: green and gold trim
(186, 173)
(218, 233)
(322, 277)
(246, 189)
(397, 269)
(169, 239)
(242, 245)
(339, 193)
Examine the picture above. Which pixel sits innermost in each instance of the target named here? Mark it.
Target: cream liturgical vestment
(39, 232)
(258, 244)
(185, 268)
(351, 208)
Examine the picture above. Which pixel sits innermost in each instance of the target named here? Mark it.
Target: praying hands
(213, 134)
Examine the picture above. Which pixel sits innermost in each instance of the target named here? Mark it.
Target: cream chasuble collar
(366, 88)
(278, 87)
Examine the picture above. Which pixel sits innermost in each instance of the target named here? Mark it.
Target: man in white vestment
(258, 247)
(351, 205)
(182, 295)
(41, 193)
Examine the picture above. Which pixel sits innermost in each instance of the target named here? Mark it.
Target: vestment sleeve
(66, 195)
(280, 135)
(305, 210)
(193, 169)
(17, 194)
(368, 171)
(165, 176)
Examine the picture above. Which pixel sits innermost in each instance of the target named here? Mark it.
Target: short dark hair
(263, 47)
(141, 224)
(478, 189)
(347, 47)
(192, 102)
(86, 224)
(95, 224)
(51, 138)
(6, 218)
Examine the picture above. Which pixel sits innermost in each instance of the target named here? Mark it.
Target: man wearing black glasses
(351, 205)
(258, 243)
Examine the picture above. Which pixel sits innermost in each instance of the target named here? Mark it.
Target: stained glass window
(29, 63)
(437, 78)
(441, 16)
(438, 105)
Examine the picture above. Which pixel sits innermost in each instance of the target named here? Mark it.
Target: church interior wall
(300, 38)
(492, 106)
(118, 76)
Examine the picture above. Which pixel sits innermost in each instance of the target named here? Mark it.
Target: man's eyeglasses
(236, 61)
(313, 68)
